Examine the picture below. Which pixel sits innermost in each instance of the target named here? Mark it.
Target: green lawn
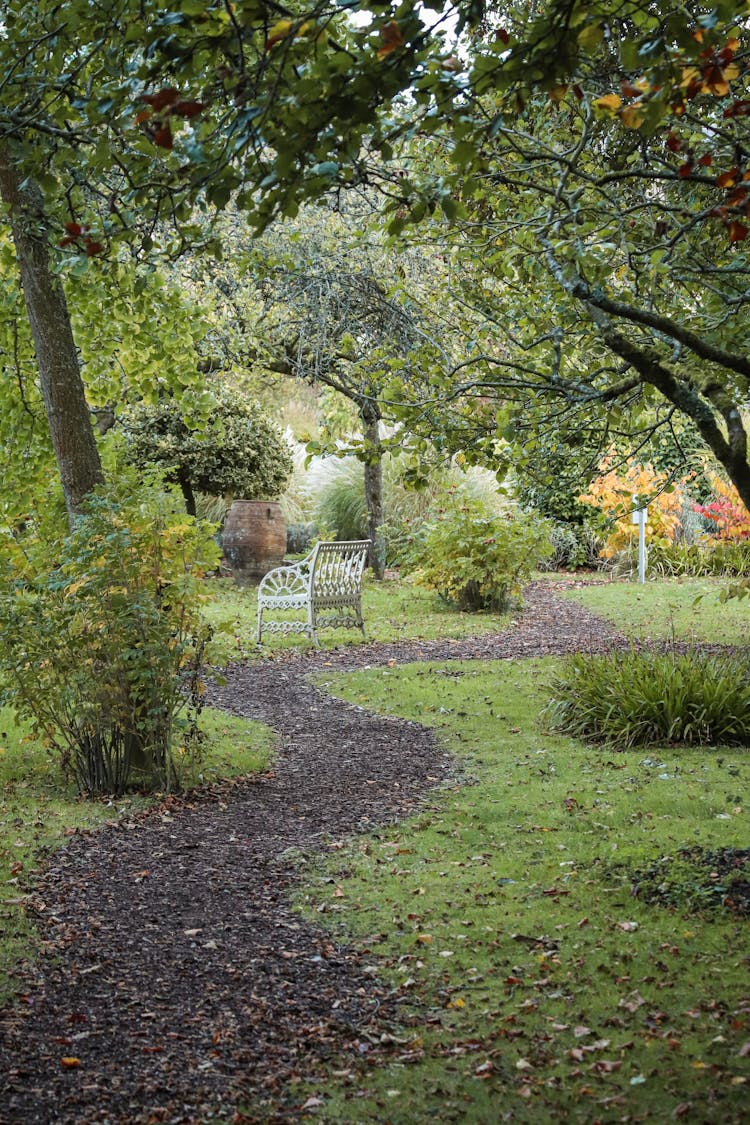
(536, 985)
(539, 984)
(688, 609)
(393, 610)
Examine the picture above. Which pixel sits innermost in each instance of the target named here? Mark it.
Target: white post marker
(640, 515)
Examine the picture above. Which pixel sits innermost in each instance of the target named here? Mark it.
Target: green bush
(340, 504)
(234, 450)
(645, 698)
(478, 560)
(103, 637)
(572, 546)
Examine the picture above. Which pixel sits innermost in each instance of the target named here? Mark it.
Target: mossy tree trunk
(60, 379)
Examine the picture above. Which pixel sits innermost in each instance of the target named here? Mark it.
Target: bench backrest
(336, 568)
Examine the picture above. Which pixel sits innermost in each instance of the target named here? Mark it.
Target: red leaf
(705, 161)
(727, 179)
(502, 35)
(738, 109)
(73, 228)
(685, 169)
(673, 143)
(737, 232)
(187, 109)
(161, 99)
(93, 248)
(391, 37)
(163, 137)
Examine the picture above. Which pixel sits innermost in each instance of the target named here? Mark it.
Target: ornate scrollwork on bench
(326, 586)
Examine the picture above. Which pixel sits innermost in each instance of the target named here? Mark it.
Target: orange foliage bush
(613, 493)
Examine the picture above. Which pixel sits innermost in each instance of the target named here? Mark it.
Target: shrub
(340, 509)
(103, 638)
(234, 451)
(614, 494)
(572, 546)
(643, 699)
(724, 510)
(721, 558)
(477, 560)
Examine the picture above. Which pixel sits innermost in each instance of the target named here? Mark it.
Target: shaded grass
(39, 809)
(535, 987)
(393, 610)
(667, 609)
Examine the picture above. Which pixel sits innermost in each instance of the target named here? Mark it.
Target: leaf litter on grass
(531, 977)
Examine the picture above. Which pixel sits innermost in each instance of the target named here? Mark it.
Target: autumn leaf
(738, 109)
(609, 102)
(391, 38)
(162, 98)
(279, 31)
(737, 232)
(633, 116)
(163, 137)
(727, 179)
(187, 109)
(70, 1061)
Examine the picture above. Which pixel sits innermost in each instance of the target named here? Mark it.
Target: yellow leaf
(70, 1061)
(279, 31)
(557, 93)
(632, 116)
(425, 939)
(609, 102)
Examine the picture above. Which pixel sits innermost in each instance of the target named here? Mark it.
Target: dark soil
(174, 972)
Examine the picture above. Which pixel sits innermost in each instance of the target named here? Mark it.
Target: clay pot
(253, 539)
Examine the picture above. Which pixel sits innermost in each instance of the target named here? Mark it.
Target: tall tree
(600, 181)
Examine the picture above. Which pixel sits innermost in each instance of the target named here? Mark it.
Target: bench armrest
(286, 580)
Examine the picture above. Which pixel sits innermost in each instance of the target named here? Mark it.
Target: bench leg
(259, 630)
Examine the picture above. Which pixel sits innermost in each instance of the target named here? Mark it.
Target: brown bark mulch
(175, 973)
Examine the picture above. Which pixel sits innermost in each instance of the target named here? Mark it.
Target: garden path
(175, 972)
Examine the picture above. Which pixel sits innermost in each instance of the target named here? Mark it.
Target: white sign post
(640, 515)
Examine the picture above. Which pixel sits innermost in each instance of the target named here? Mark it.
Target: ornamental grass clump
(634, 698)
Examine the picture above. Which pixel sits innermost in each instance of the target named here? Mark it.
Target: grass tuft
(649, 699)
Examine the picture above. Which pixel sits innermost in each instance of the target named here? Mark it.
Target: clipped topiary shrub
(476, 560)
(645, 698)
(235, 450)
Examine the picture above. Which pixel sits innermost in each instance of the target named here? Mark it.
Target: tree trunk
(374, 491)
(57, 359)
(187, 491)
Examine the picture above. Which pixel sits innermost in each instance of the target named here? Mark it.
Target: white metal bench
(327, 585)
